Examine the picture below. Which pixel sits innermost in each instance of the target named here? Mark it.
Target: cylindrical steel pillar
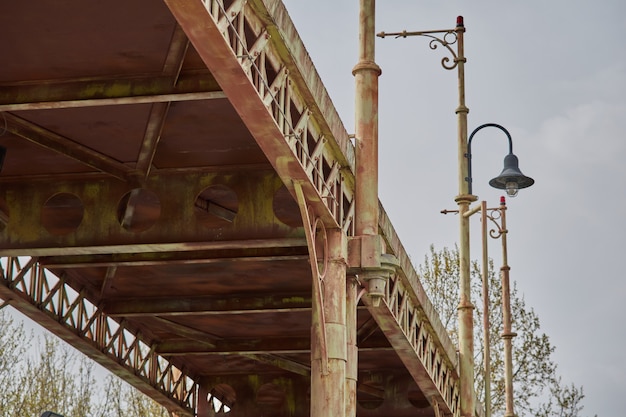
(366, 73)
(328, 386)
(352, 365)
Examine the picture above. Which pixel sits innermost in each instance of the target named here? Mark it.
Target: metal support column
(352, 366)
(366, 73)
(486, 305)
(328, 381)
(507, 333)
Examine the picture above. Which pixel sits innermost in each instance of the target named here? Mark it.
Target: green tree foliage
(57, 378)
(122, 400)
(13, 345)
(565, 401)
(534, 371)
(53, 376)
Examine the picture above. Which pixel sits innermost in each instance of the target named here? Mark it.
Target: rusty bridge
(179, 201)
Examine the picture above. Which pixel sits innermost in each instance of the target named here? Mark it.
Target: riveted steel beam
(158, 113)
(56, 94)
(63, 145)
(169, 210)
(47, 300)
(142, 255)
(180, 306)
(276, 345)
(273, 345)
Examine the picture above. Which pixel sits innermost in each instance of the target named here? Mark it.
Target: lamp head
(511, 178)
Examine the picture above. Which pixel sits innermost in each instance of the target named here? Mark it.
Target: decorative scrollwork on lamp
(449, 38)
(494, 215)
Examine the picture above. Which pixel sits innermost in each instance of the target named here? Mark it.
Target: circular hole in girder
(138, 210)
(62, 213)
(370, 394)
(286, 208)
(221, 399)
(271, 398)
(417, 398)
(216, 206)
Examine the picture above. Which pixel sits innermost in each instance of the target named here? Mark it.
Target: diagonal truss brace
(407, 328)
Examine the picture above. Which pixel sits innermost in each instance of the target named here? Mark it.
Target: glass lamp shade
(511, 178)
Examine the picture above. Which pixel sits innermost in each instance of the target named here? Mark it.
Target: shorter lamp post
(512, 180)
(498, 217)
(507, 334)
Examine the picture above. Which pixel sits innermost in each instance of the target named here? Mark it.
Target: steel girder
(250, 55)
(286, 109)
(47, 299)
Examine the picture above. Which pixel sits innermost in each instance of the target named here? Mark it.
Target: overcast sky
(553, 72)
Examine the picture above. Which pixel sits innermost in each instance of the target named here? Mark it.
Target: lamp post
(450, 37)
(498, 217)
(507, 334)
(510, 179)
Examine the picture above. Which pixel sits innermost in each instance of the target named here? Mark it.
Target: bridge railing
(48, 300)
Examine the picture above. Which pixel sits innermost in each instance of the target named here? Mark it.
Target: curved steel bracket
(494, 215)
(450, 37)
(317, 242)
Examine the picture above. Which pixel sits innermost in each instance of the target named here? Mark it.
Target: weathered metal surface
(151, 154)
(236, 48)
(366, 73)
(168, 214)
(507, 333)
(103, 92)
(49, 301)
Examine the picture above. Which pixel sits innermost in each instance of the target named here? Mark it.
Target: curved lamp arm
(511, 178)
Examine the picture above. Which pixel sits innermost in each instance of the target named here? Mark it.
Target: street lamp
(510, 179)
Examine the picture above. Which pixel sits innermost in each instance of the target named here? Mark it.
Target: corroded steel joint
(373, 268)
(366, 65)
(465, 198)
(376, 279)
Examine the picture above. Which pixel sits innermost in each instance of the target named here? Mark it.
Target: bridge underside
(148, 217)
